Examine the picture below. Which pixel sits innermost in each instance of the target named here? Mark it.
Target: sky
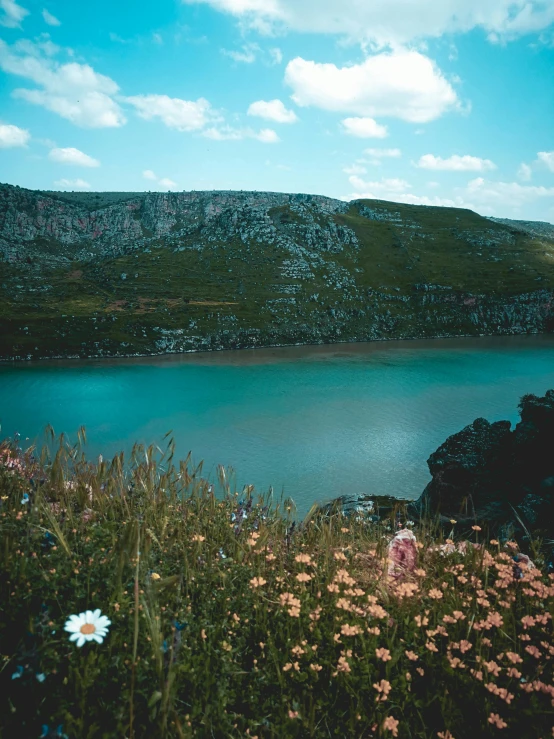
(432, 102)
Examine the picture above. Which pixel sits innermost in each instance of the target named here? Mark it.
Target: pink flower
(402, 554)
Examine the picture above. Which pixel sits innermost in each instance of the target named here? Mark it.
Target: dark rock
(492, 476)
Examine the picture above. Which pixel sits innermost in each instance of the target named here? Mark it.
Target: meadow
(140, 599)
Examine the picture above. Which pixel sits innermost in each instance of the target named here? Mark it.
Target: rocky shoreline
(487, 474)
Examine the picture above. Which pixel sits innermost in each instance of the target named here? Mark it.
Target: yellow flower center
(88, 629)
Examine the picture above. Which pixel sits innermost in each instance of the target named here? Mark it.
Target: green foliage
(229, 620)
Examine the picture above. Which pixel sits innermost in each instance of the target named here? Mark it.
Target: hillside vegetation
(122, 273)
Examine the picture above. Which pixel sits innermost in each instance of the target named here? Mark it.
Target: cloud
(524, 172)
(247, 55)
(72, 156)
(164, 182)
(50, 19)
(272, 110)
(276, 55)
(12, 136)
(383, 153)
(13, 14)
(364, 128)
(455, 163)
(383, 187)
(355, 169)
(228, 133)
(73, 184)
(391, 21)
(547, 157)
(73, 91)
(401, 84)
(506, 194)
(184, 115)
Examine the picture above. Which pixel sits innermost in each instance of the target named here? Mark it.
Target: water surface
(312, 422)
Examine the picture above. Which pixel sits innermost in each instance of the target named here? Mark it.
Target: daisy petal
(97, 613)
(81, 640)
(75, 636)
(71, 626)
(89, 617)
(97, 638)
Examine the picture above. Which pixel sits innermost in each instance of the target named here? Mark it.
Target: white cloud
(364, 128)
(13, 14)
(382, 187)
(524, 172)
(394, 22)
(184, 115)
(506, 194)
(50, 19)
(72, 184)
(73, 91)
(547, 157)
(165, 182)
(455, 163)
(276, 55)
(383, 153)
(355, 169)
(272, 110)
(401, 84)
(228, 133)
(247, 55)
(157, 38)
(72, 156)
(11, 136)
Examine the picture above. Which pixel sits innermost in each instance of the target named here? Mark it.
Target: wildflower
(223, 556)
(303, 558)
(293, 714)
(383, 654)
(303, 577)
(56, 733)
(40, 676)
(383, 687)
(87, 626)
(19, 671)
(391, 724)
(411, 655)
(257, 582)
(315, 667)
(476, 528)
(435, 594)
(347, 630)
(25, 498)
(199, 538)
(445, 735)
(495, 719)
(155, 576)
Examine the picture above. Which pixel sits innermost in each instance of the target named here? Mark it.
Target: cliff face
(101, 274)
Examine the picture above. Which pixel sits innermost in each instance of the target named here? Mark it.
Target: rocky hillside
(101, 274)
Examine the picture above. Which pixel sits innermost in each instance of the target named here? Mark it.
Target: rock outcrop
(495, 477)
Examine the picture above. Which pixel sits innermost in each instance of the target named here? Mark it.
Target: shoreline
(270, 352)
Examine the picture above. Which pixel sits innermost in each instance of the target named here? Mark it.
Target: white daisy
(87, 626)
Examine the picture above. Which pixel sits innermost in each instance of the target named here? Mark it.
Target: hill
(111, 274)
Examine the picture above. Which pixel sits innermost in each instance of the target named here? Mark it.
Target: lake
(312, 422)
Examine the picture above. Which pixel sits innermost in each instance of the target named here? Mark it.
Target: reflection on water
(315, 422)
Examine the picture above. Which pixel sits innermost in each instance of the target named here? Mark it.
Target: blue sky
(439, 102)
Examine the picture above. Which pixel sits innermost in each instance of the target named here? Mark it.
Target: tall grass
(231, 620)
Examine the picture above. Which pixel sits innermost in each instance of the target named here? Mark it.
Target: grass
(229, 619)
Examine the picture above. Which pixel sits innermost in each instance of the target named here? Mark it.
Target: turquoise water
(312, 422)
